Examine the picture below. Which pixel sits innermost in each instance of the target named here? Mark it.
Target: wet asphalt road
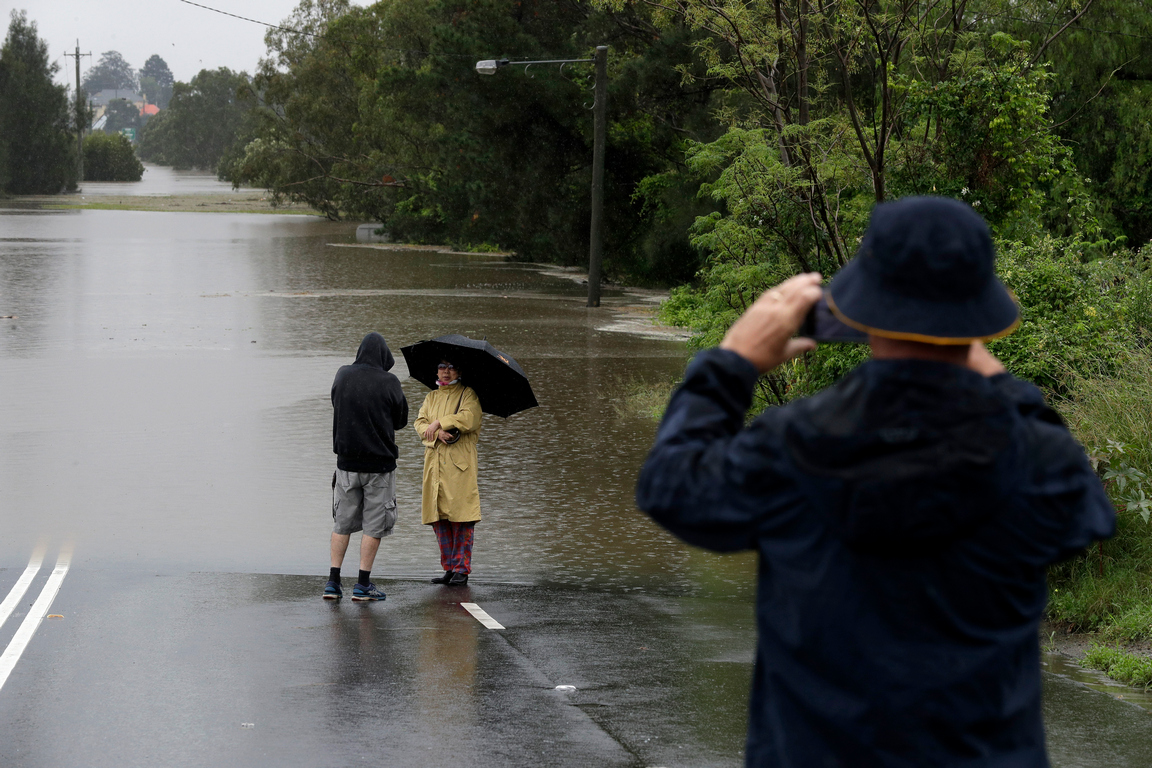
(210, 669)
(239, 670)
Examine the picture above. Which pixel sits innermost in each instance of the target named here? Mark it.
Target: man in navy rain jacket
(903, 518)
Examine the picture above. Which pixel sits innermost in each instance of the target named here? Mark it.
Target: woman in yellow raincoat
(449, 427)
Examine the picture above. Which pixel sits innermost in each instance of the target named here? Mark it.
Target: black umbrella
(497, 379)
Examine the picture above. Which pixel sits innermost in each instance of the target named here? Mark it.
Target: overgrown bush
(1108, 588)
(109, 157)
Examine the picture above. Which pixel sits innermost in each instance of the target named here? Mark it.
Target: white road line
(480, 615)
(32, 621)
(22, 585)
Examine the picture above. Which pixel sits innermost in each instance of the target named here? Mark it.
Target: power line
(319, 37)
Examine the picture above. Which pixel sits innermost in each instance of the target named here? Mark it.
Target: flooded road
(165, 411)
(174, 371)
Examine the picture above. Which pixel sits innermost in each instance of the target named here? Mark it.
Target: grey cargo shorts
(364, 501)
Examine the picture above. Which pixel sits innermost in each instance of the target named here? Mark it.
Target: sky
(188, 38)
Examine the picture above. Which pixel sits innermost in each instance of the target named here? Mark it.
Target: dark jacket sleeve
(399, 406)
(694, 481)
(1068, 505)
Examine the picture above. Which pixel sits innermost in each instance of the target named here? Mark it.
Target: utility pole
(600, 127)
(79, 116)
(599, 131)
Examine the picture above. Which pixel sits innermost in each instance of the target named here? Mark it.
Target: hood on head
(906, 454)
(374, 352)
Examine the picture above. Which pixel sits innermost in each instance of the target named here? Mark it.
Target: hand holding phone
(765, 334)
(822, 326)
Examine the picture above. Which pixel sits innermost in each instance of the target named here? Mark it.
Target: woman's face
(446, 372)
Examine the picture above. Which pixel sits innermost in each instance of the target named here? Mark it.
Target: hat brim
(864, 303)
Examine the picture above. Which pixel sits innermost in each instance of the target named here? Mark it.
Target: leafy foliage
(121, 114)
(156, 81)
(407, 133)
(112, 72)
(1120, 665)
(201, 123)
(109, 157)
(37, 150)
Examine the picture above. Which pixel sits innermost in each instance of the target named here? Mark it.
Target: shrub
(1120, 665)
(109, 157)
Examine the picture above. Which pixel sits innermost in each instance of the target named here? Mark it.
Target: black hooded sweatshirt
(368, 407)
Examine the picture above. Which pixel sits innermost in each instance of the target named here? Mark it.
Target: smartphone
(823, 326)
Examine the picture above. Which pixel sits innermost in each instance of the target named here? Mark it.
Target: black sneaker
(446, 578)
(458, 580)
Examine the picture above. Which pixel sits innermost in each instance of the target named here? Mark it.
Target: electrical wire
(321, 36)
(305, 32)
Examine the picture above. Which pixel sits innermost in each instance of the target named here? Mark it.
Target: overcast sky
(187, 37)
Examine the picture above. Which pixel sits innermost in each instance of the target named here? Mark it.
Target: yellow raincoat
(450, 491)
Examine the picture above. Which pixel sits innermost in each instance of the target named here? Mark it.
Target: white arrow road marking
(22, 585)
(32, 621)
(481, 616)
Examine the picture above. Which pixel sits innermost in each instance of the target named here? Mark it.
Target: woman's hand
(443, 436)
(431, 430)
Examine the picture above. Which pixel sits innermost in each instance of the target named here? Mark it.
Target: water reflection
(446, 669)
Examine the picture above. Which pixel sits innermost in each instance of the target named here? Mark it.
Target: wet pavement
(165, 415)
(225, 669)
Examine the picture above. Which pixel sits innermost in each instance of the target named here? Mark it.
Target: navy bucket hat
(925, 272)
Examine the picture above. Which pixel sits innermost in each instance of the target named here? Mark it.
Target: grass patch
(1108, 588)
(1120, 665)
(635, 398)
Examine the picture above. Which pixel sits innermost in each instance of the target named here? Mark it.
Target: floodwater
(159, 180)
(165, 406)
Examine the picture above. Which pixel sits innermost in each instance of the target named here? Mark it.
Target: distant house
(102, 98)
(149, 109)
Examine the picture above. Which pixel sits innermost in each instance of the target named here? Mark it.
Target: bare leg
(340, 546)
(368, 547)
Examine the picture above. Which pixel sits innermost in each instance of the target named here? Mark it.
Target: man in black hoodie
(368, 407)
(904, 517)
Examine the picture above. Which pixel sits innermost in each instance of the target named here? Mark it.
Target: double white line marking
(39, 609)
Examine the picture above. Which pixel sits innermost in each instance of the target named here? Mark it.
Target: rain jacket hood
(903, 521)
(905, 453)
(368, 406)
(374, 352)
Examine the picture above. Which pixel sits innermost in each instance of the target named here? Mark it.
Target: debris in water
(55, 616)
(247, 725)
(565, 687)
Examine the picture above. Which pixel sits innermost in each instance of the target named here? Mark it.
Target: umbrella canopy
(497, 379)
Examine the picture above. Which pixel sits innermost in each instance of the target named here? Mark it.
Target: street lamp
(600, 127)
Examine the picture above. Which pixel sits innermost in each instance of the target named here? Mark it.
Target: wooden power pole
(79, 116)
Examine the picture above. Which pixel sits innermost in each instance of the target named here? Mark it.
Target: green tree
(378, 113)
(109, 157)
(1102, 102)
(156, 81)
(121, 114)
(112, 72)
(838, 106)
(37, 150)
(202, 121)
